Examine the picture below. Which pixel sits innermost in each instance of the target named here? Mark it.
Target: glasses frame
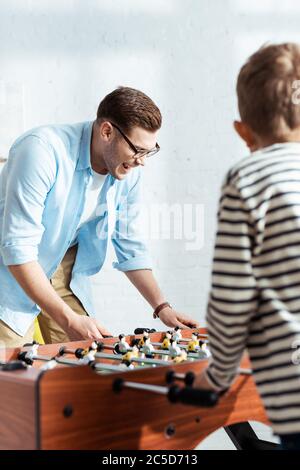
(137, 153)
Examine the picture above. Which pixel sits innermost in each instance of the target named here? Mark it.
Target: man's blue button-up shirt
(42, 195)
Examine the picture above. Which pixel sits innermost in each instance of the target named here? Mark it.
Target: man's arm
(31, 175)
(234, 296)
(35, 283)
(134, 259)
(146, 284)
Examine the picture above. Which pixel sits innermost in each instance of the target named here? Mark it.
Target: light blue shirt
(42, 195)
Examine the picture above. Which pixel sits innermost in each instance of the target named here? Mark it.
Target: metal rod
(110, 367)
(140, 360)
(147, 388)
(243, 371)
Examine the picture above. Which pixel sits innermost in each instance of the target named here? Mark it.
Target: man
(58, 191)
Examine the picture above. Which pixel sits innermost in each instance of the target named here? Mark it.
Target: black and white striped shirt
(255, 297)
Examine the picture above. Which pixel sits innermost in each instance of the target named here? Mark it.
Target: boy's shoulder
(261, 160)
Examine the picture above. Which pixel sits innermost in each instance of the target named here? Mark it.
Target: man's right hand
(84, 327)
(37, 286)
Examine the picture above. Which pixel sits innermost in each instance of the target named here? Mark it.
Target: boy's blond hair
(265, 88)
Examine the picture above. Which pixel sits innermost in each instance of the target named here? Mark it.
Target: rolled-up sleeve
(30, 174)
(128, 237)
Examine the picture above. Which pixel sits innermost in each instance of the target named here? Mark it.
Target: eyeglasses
(137, 153)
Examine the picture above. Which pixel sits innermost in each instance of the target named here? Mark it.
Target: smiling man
(59, 191)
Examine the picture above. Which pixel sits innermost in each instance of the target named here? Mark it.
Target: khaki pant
(51, 331)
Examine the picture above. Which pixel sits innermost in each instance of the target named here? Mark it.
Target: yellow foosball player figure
(193, 345)
(142, 340)
(181, 358)
(127, 358)
(166, 342)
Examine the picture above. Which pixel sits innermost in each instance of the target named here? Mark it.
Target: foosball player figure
(122, 347)
(142, 340)
(181, 358)
(174, 349)
(177, 336)
(194, 344)
(148, 348)
(166, 342)
(204, 348)
(88, 355)
(127, 358)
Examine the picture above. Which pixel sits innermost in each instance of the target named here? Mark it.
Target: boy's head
(265, 89)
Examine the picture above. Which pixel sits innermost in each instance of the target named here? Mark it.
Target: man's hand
(173, 318)
(84, 327)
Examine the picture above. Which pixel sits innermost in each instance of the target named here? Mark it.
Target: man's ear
(106, 130)
(246, 133)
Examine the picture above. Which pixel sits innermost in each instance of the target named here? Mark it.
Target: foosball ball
(130, 392)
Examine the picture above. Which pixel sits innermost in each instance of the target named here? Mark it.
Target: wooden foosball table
(81, 396)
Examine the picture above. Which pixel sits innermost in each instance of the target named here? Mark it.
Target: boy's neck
(261, 143)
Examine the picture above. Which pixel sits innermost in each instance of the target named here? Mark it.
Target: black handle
(22, 356)
(13, 365)
(192, 396)
(188, 379)
(141, 331)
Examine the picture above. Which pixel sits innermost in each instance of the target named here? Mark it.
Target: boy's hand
(202, 383)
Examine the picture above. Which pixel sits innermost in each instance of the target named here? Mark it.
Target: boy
(255, 297)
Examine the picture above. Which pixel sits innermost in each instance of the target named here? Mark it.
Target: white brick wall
(60, 57)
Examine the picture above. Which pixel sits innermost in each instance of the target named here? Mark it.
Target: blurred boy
(255, 296)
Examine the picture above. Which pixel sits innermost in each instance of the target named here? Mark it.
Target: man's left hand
(173, 318)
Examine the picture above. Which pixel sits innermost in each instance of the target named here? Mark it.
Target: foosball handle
(192, 396)
(141, 331)
(188, 379)
(79, 353)
(13, 365)
(22, 357)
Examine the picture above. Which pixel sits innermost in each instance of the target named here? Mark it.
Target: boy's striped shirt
(255, 296)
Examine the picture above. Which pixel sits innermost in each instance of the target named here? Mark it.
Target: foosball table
(129, 392)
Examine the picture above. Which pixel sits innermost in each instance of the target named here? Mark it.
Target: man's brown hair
(128, 108)
(265, 90)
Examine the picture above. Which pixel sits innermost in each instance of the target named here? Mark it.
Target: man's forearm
(35, 283)
(146, 284)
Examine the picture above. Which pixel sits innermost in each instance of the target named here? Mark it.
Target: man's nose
(141, 161)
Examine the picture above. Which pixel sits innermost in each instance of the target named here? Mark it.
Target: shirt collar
(84, 160)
